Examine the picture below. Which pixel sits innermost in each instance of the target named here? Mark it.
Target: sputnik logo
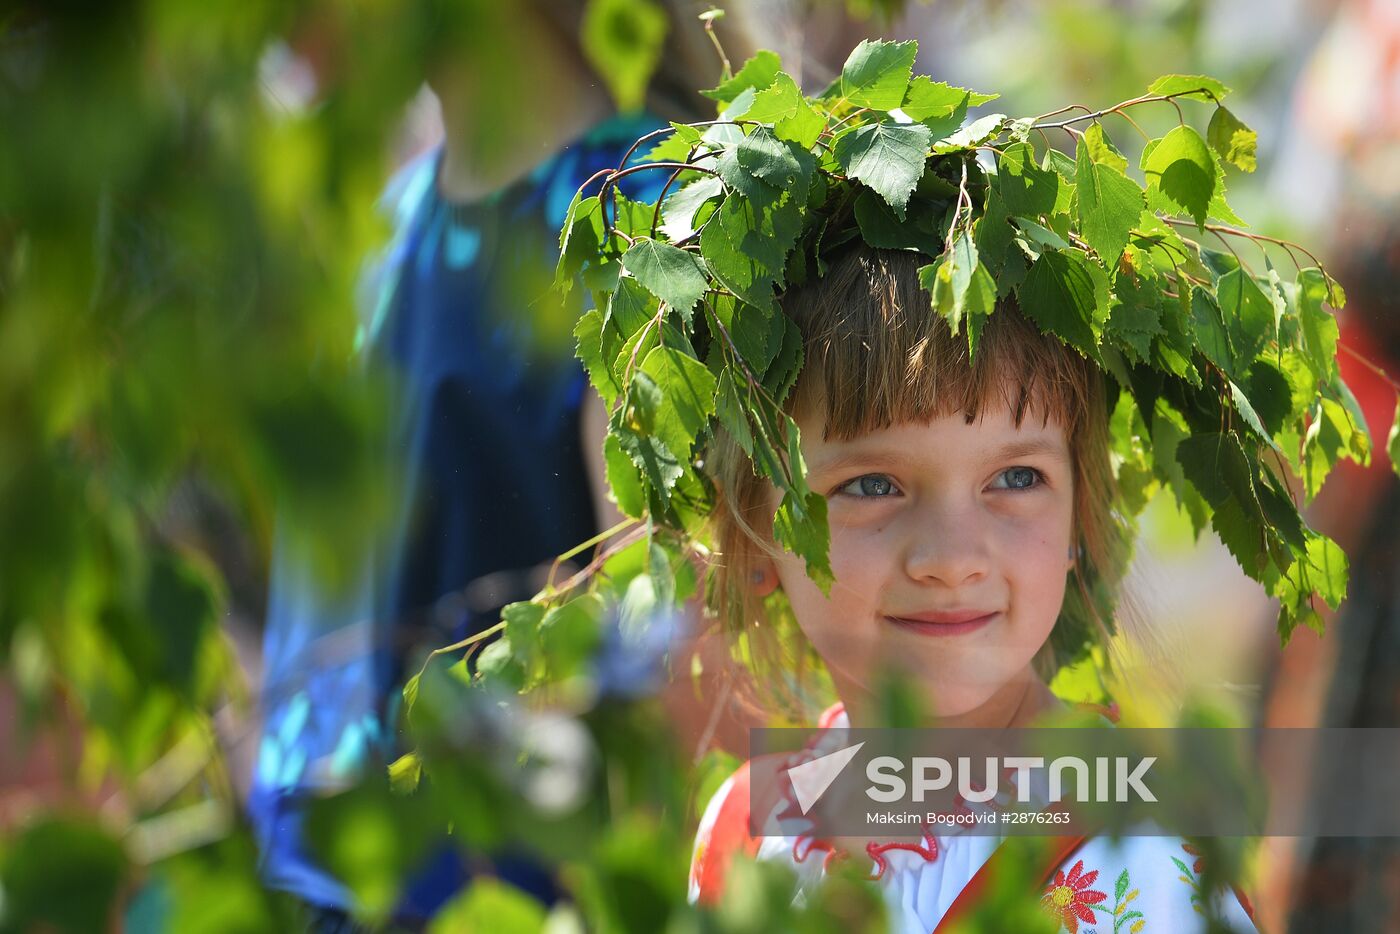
(810, 780)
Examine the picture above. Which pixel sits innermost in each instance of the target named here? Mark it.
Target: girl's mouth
(943, 624)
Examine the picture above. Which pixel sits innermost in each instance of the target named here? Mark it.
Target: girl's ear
(763, 578)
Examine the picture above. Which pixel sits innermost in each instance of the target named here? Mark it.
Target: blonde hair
(876, 354)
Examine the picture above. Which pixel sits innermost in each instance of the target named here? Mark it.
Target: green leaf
(1025, 188)
(1220, 208)
(1191, 87)
(580, 240)
(800, 526)
(757, 73)
(1239, 524)
(1136, 317)
(1357, 432)
(1067, 295)
(1392, 441)
(887, 158)
(994, 233)
(674, 147)
(490, 905)
(590, 350)
(747, 241)
(405, 773)
(781, 374)
(1217, 467)
(1271, 395)
(732, 412)
(688, 397)
(569, 634)
(784, 166)
(1235, 142)
(629, 307)
(622, 40)
(623, 479)
(960, 284)
(783, 105)
(1120, 887)
(1251, 418)
(1247, 312)
(635, 427)
(751, 328)
(974, 134)
(1101, 148)
(630, 353)
(1109, 205)
(653, 458)
(1180, 166)
(522, 621)
(671, 274)
(1317, 325)
(1063, 166)
(1321, 570)
(1328, 564)
(679, 210)
(927, 99)
(883, 230)
(876, 75)
(1209, 331)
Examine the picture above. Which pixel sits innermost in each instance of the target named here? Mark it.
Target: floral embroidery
(1070, 898)
(1123, 896)
(1190, 877)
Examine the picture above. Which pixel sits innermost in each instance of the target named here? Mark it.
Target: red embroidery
(928, 850)
(1070, 899)
(1200, 862)
(800, 854)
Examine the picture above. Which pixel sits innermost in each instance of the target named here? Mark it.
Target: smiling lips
(945, 623)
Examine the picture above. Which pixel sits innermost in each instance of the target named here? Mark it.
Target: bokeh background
(199, 443)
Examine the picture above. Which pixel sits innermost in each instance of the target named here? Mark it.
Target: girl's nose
(949, 549)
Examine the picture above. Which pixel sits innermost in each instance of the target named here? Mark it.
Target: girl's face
(950, 546)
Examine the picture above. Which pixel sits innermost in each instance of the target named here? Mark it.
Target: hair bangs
(876, 355)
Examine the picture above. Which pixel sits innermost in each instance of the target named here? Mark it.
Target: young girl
(971, 508)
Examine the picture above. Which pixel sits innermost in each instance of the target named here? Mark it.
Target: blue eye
(873, 484)
(1018, 478)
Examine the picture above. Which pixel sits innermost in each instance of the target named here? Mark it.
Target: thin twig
(727, 72)
(1141, 132)
(957, 209)
(486, 633)
(610, 183)
(1370, 366)
(1288, 245)
(1242, 264)
(588, 570)
(831, 130)
(578, 549)
(1116, 108)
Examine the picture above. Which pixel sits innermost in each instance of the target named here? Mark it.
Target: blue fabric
(484, 410)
